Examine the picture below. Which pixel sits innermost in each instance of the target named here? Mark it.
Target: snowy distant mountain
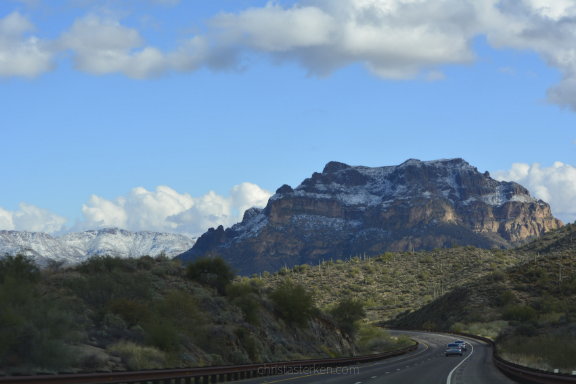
(75, 247)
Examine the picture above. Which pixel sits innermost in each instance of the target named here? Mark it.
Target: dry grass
(546, 352)
(489, 329)
(529, 361)
(138, 357)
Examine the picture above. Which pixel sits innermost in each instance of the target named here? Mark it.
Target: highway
(426, 365)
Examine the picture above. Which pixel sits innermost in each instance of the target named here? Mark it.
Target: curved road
(426, 365)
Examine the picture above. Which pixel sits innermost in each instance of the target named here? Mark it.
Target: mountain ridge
(77, 246)
(346, 210)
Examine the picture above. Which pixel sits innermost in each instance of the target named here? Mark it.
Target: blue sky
(104, 101)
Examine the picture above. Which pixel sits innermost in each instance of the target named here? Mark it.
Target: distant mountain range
(349, 210)
(75, 247)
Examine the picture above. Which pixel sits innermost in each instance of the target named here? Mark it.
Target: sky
(176, 116)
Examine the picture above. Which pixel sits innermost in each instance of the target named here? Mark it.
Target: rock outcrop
(348, 210)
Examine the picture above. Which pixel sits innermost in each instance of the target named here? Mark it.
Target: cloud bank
(556, 185)
(393, 39)
(31, 218)
(162, 210)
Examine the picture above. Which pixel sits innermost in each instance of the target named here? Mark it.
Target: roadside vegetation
(109, 313)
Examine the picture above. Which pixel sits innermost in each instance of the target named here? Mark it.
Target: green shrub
(101, 289)
(370, 337)
(19, 267)
(539, 274)
(162, 334)
(498, 276)
(356, 288)
(569, 285)
(131, 311)
(369, 269)
(162, 257)
(525, 330)
(293, 302)
(212, 271)
(347, 312)
(145, 262)
(105, 264)
(506, 298)
(254, 348)
(386, 257)
(424, 276)
(182, 310)
(427, 260)
(548, 304)
(244, 296)
(34, 330)
(520, 313)
(114, 323)
(456, 267)
(403, 341)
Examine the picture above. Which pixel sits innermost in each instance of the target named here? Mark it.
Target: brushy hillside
(394, 283)
(529, 308)
(110, 313)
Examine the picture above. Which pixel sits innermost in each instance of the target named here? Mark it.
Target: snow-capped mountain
(75, 247)
(347, 210)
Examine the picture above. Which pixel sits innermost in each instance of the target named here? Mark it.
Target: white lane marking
(373, 377)
(358, 382)
(387, 372)
(455, 368)
(398, 369)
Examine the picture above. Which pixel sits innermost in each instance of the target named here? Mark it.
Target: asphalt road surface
(426, 365)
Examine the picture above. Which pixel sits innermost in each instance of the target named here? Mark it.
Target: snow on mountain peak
(77, 246)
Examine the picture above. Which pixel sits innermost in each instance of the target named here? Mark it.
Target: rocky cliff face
(347, 210)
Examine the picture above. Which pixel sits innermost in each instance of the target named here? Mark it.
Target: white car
(453, 349)
(462, 344)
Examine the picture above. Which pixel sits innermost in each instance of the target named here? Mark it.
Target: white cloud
(556, 185)
(166, 210)
(393, 39)
(102, 46)
(22, 55)
(31, 218)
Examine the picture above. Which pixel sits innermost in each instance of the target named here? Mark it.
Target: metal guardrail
(202, 375)
(517, 372)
